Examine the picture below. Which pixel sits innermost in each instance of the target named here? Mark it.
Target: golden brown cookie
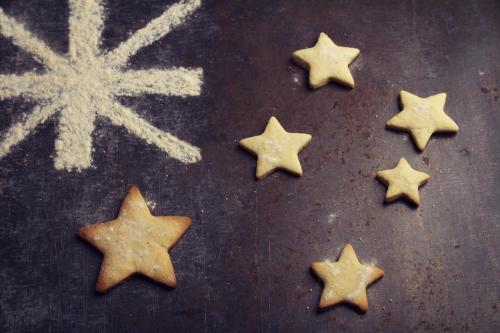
(276, 149)
(422, 117)
(403, 181)
(135, 242)
(346, 280)
(327, 62)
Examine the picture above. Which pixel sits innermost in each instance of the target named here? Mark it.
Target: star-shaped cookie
(422, 117)
(135, 242)
(403, 181)
(327, 62)
(346, 280)
(276, 149)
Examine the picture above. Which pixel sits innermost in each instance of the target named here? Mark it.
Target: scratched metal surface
(243, 266)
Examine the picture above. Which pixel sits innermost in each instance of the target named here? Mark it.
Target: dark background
(244, 264)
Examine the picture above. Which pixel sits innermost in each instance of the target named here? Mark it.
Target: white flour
(83, 84)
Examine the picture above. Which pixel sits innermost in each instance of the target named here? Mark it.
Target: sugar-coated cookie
(327, 62)
(276, 149)
(422, 117)
(346, 280)
(135, 242)
(403, 181)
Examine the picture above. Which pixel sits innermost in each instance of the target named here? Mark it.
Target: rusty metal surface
(244, 264)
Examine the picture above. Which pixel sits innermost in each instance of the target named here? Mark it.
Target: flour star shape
(276, 149)
(84, 84)
(135, 242)
(422, 117)
(403, 181)
(327, 62)
(346, 280)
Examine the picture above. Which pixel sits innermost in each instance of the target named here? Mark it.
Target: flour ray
(153, 31)
(26, 85)
(14, 30)
(171, 82)
(174, 147)
(85, 29)
(20, 130)
(74, 139)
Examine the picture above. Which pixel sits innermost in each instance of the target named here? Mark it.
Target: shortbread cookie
(276, 149)
(327, 62)
(403, 181)
(346, 280)
(135, 242)
(422, 117)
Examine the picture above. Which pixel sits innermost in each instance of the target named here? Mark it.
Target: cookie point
(260, 176)
(323, 303)
(380, 174)
(172, 284)
(187, 220)
(133, 189)
(421, 147)
(82, 232)
(101, 288)
(315, 265)
(388, 198)
(379, 272)
(362, 306)
(316, 84)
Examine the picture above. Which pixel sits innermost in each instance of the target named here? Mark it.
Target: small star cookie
(327, 62)
(276, 149)
(403, 181)
(135, 242)
(346, 280)
(422, 117)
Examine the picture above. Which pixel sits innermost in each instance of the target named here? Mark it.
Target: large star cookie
(403, 181)
(422, 117)
(346, 280)
(276, 149)
(327, 62)
(135, 242)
